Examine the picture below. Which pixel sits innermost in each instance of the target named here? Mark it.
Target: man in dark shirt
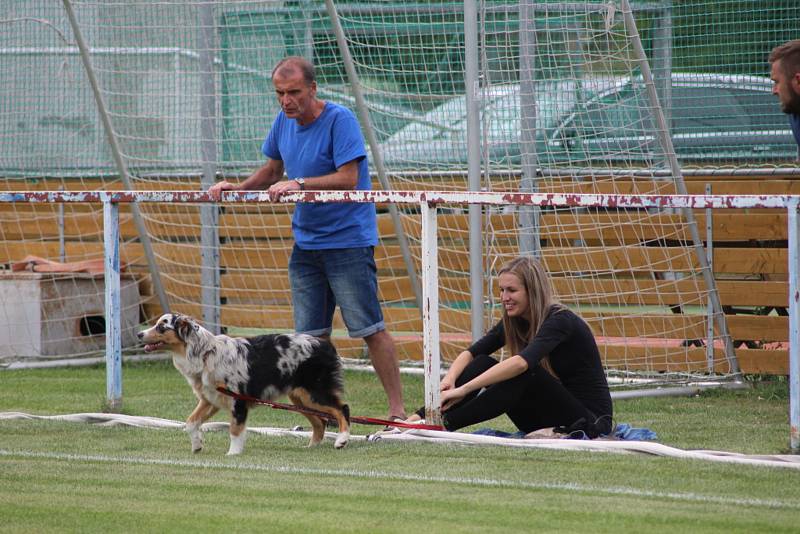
(785, 73)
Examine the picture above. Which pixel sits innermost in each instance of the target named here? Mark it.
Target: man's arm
(268, 174)
(345, 178)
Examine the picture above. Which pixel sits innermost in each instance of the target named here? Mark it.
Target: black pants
(532, 400)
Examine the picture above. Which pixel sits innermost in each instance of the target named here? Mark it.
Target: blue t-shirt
(330, 141)
(794, 120)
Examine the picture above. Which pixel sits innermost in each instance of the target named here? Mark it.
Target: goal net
(565, 104)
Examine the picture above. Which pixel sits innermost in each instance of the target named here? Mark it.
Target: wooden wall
(750, 261)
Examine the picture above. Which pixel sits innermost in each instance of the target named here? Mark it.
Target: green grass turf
(62, 477)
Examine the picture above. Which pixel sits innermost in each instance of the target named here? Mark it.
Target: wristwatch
(301, 182)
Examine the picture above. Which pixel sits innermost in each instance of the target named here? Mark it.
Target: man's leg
(383, 354)
(312, 301)
(352, 276)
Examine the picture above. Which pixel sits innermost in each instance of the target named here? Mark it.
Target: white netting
(186, 86)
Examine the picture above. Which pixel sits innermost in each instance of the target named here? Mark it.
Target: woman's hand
(450, 397)
(446, 383)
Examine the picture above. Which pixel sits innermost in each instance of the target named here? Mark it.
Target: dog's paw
(197, 441)
(237, 444)
(236, 448)
(341, 440)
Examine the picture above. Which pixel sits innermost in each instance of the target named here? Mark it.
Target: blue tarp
(622, 431)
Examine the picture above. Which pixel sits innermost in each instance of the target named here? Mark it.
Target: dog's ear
(183, 326)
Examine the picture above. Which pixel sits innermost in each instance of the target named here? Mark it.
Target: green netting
(410, 59)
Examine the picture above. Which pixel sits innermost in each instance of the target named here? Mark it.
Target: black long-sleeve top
(573, 352)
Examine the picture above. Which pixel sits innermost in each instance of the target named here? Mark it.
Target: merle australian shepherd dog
(305, 368)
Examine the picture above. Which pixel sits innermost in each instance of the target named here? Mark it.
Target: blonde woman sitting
(554, 376)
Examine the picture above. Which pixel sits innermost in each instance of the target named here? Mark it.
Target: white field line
(386, 475)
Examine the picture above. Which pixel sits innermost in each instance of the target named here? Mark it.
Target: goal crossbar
(428, 201)
(486, 198)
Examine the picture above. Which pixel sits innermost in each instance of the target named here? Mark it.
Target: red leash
(353, 418)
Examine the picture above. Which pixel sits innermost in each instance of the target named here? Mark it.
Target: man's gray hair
(293, 63)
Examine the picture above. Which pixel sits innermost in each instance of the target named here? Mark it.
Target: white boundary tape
(433, 436)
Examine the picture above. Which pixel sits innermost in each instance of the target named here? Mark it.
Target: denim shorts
(321, 279)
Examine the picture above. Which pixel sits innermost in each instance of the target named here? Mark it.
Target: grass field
(66, 477)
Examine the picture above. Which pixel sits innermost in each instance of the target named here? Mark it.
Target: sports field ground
(67, 476)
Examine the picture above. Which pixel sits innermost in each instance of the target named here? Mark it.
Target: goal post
(668, 149)
(429, 203)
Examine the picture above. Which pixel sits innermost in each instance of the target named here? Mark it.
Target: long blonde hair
(521, 330)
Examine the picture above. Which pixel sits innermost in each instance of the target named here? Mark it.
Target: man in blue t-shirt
(785, 72)
(318, 145)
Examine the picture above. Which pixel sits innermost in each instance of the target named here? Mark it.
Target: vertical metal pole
(209, 213)
(472, 87)
(528, 215)
(662, 131)
(112, 307)
(662, 57)
(144, 237)
(710, 303)
(62, 245)
(375, 149)
(430, 314)
(794, 327)
(306, 8)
